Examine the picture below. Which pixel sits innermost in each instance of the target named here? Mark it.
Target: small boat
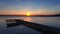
(14, 22)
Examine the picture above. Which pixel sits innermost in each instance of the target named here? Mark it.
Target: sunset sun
(28, 14)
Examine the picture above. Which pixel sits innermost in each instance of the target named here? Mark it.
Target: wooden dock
(38, 27)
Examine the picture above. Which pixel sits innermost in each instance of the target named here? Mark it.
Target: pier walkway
(38, 27)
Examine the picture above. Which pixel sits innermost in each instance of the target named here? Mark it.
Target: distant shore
(34, 15)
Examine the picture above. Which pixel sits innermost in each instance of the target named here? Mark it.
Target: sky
(21, 7)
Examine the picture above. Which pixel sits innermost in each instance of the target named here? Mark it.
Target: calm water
(50, 21)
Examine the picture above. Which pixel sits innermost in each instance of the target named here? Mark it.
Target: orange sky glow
(41, 11)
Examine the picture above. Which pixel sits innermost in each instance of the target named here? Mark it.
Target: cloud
(1, 3)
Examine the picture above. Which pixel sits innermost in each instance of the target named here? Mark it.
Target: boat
(14, 22)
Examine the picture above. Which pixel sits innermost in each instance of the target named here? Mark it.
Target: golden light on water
(28, 14)
(28, 19)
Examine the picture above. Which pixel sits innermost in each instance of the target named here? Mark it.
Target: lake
(49, 21)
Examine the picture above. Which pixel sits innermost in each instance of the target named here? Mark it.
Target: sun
(28, 14)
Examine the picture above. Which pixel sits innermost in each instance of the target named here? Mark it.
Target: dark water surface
(50, 21)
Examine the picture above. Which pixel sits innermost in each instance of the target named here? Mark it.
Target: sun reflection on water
(28, 19)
